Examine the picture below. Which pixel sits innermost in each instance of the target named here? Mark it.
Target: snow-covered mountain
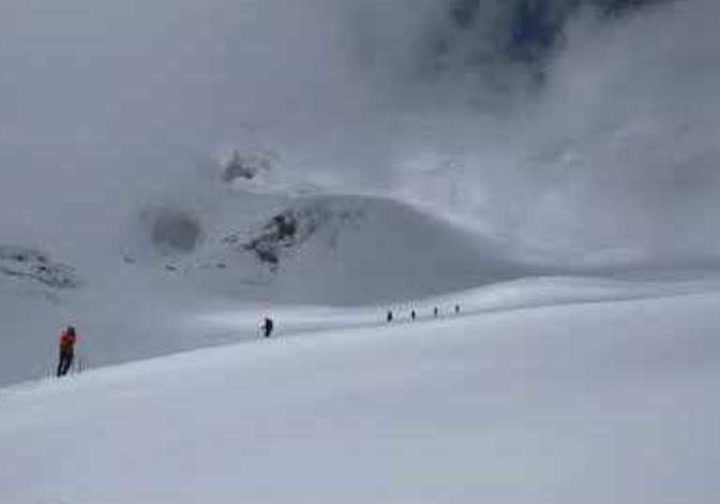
(327, 249)
(370, 152)
(181, 259)
(528, 187)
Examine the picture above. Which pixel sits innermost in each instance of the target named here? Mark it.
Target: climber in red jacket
(67, 350)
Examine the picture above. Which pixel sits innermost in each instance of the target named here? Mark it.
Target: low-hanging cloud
(603, 146)
(597, 138)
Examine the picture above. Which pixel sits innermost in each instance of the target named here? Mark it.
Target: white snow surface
(142, 298)
(572, 225)
(590, 398)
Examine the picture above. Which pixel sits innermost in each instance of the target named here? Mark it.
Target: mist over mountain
(586, 128)
(447, 250)
(579, 131)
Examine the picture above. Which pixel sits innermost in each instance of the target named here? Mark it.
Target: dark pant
(66, 359)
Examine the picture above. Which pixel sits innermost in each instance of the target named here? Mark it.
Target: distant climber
(267, 327)
(457, 308)
(67, 350)
(435, 312)
(413, 314)
(389, 316)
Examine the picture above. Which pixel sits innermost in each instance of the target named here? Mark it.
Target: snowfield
(248, 255)
(175, 171)
(599, 402)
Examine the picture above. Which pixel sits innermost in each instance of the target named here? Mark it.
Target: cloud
(608, 142)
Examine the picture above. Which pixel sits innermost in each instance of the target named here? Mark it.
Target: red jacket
(67, 342)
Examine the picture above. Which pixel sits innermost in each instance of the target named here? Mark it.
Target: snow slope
(345, 250)
(205, 250)
(589, 402)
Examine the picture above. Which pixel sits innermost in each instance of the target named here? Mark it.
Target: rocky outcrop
(245, 166)
(25, 263)
(291, 228)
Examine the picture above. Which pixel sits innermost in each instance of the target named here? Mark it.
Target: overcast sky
(608, 146)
